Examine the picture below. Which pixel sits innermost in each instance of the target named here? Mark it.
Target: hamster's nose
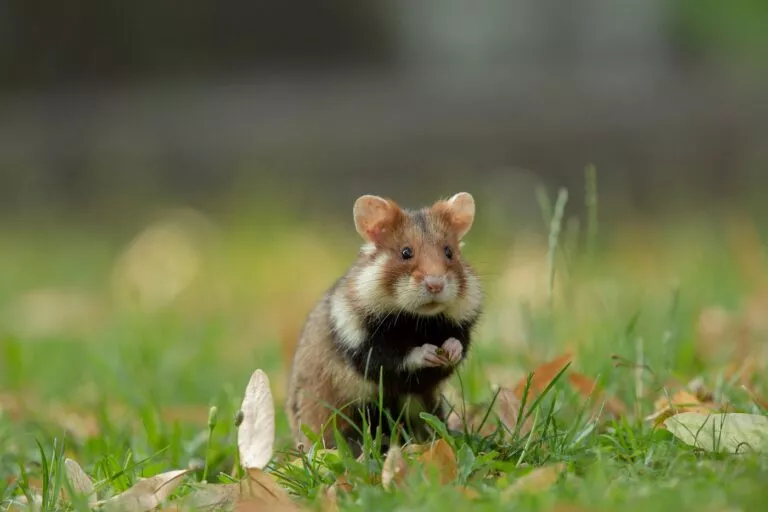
(434, 284)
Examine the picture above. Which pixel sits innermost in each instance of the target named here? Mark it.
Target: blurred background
(182, 174)
(107, 106)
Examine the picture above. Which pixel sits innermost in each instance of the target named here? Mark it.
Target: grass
(124, 382)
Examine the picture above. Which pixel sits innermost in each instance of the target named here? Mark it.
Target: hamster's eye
(406, 253)
(448, 252)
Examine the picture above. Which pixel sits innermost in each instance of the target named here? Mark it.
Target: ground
(115, 343)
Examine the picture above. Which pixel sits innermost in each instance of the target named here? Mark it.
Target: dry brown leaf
(588, 387)
(538, 480)
(148, 493)
(682, 401)
(542, 376)
(80, 481)
(395, 468)
(440, 456)
(263, 486)
(256, 433)
(258, 491)
(508, 409)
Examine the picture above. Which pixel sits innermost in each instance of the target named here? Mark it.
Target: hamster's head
(412, 261)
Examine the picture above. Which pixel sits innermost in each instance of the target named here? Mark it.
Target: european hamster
(402, 315)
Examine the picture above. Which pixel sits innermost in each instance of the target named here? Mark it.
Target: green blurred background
(177, 178)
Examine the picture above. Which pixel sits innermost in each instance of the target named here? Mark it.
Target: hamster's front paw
(453, 350)
(426, 356)
(429, 356)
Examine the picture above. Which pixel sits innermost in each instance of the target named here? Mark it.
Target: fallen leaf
(211, 497)
(256, 433)
(21, 503)
(440, 456)
(147, 493)
(681, 402)
(257, 505)
(81, 482)
(538, 480)
(542, 376)
(394, 469)
(262, 487)
(729, 432)
(508, 409)
(588, 387)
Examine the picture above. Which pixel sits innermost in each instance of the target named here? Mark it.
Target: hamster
(393, 328)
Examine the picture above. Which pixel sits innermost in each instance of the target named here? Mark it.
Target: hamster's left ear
(459, 211)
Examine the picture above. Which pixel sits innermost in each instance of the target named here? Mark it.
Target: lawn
(116, 342)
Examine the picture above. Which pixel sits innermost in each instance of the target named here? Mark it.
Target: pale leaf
(147, 493)
(395, 468)
(729, 432)
(212, 497)
(256, 433)
(81, 483)
(538, 480)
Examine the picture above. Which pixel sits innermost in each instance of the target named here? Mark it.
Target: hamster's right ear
(375, 217)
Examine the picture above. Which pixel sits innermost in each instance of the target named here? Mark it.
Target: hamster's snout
(435, 284)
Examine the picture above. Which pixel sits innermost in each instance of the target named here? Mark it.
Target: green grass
(111, 391)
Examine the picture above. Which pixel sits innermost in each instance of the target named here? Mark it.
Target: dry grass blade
(81, 483)
(395, 468)
(256, 433)
(148, 493)
(542, 377)
(538, 480)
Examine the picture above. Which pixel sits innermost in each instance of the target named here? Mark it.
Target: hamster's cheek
(408, 292)
(451, 290)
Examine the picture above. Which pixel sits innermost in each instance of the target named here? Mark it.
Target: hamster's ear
(375, 217)
(459, 210)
